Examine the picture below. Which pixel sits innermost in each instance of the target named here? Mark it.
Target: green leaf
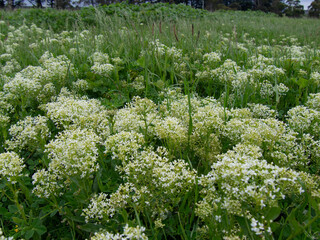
(243, 224)
(274, 226)
(13, 208)
(53, 213)
(273, 213)
(29, 234)
(294, 224)
(74, 218)
(302, 82)
(90, 227)
(141, 61)
(2, 185)
(40, 229)
(3, 211)
(17, 220)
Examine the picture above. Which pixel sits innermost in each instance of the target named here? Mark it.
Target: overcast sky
(306, 3)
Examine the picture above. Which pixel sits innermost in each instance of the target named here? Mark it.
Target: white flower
(11, 166)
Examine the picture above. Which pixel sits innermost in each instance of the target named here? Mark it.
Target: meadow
(159, 121)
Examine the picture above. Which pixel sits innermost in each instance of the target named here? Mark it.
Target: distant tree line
(291, 8)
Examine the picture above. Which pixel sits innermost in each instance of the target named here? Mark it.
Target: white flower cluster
(139, 116)
(172, 130)
(11, 166)
(57, 68)
(21, 89)
(315, 77)
(101, 64)
(273, 136)
(69, 111)
(80, 85)
(30, 133)
(305, 120)
(72, 153)
(296, 53)
(262, 111)
(103, 69)
(212, 58)
(47, 184)
(163, 50)
(35, 85)
(4, 120)
(152, 183)
(100, 58)
(170, 54)
(10, 67)
(124, 145)
(5, 108)
(242, 184)
(314, 101)
(138, 83)
(129, 233)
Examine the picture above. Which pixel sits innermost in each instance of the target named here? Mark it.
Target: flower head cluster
(47, 184)
(56, 68)
(101, 64)
(124, 145)
(80, 85)
(103, 69)
(129, 233)
(4, 120)
(22, 89)
(305, 120)
(315, 77)
(100, 58)
(242, 184)
(262, 111)
(172, 130)
(151, 182)
(139, 116)
(10, 67)
(163, 50)
(30, 133)
(72, 112)
(314, 101)
(72, 153)
(11, 166)
(212, 58)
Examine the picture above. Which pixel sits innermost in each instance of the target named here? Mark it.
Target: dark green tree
(294, 8)
(278, 7)
(2, 4)
(314, 9)
(37, 3)
(239, 4)
(263, 5)
(213, 5)
(62, 4)
(11, 4)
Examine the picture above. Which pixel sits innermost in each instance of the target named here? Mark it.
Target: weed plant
(158, 121)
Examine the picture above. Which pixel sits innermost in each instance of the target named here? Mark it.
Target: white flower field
(194, 125)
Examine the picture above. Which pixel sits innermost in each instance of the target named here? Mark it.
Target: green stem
(16, 201)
